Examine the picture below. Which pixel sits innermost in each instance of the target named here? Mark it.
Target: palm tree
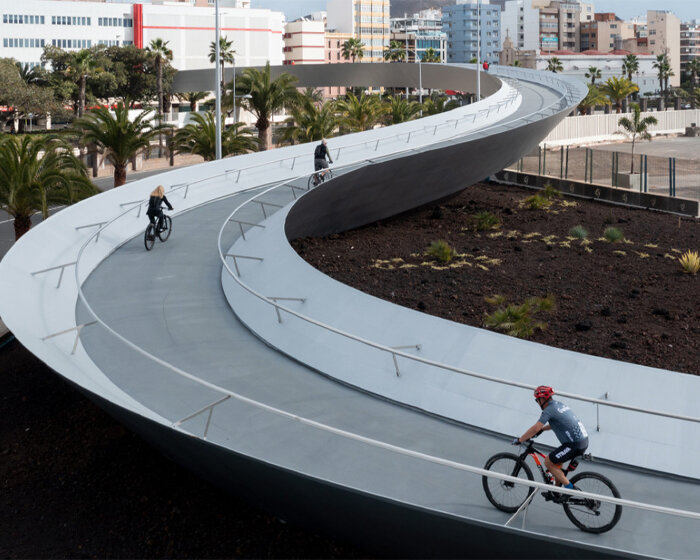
(36, 172)
(693, 68)
(593, 74)
(315, 95)
(264, 96)
(636, 127)
(353, 49)
(226, 54)
(617, 90)
(30, 74)
(555, 65)
(395, 52)
(82, 65)
(594, 98)
(199, 138)
(664, 72)
(516, 63)
(431, 55)
(192, 97)
(438, 103)
(402, 110)
(630, 65)
(311, 121)
(360, 113)
(117, 137)
(161, 53)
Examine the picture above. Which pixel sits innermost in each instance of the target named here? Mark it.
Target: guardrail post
(544, 159)
(597, 412)
(393, 356)
(561, 163)
(566, 169)
(646, 176)
(78, 330)
(539, 160)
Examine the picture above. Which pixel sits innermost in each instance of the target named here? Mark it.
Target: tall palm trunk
(81, 95)
(119, 175)
(263, 126)
(159, 86)
(22, 225)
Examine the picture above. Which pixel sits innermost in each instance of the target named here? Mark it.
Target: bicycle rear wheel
(165, 229)
(149, 238)
(507, 496)
(314, 180)
(593, 516)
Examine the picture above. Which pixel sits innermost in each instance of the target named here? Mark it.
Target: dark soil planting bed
(628, 299)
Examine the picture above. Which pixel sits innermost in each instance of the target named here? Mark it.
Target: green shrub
(578, 232)
(613, 234)
(518, 320)
(486, 220)
(549, 192)
(537, 202)
(441, 251)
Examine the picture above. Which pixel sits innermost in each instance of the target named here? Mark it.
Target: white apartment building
(664, 31)
(521, 22)
(27, 27)
(304, 42)
(366, 20)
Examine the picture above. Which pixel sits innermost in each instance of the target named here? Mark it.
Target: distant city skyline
(685, 10)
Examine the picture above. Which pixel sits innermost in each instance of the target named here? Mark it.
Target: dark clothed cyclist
(154, 204)
(320, 154)
(570, 432)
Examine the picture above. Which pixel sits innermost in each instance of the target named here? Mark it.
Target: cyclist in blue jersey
(569, 430)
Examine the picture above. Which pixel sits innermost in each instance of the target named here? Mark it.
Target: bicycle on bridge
(162, 228)
(589, 515)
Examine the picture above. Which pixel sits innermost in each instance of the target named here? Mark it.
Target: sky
(626, 9)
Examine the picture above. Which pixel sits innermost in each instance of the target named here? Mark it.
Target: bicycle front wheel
(593, 516)
(149, 238)
(507, 496)
(165, 229)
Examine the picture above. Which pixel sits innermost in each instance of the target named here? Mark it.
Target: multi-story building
(587, 12)
(606, 33)
(366, 20)
(690, 42)
(334, 55)
(459, 21)
(304, 42)
(420, 32)
(189, 30)
(521, 23)
(664, 30)
(560, 24)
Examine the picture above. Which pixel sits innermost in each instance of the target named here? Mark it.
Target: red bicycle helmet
(544, 392)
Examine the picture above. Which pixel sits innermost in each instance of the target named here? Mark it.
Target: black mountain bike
(162, 229)
(589, 515)
(319, 177)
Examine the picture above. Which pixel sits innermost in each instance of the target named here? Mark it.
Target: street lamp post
(478, 50)
(217, 52)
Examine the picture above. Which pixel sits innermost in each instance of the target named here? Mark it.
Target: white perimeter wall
(602, 128)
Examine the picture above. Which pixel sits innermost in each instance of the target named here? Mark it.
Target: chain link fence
(650, 174)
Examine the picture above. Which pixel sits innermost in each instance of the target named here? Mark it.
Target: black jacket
(154, 204)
